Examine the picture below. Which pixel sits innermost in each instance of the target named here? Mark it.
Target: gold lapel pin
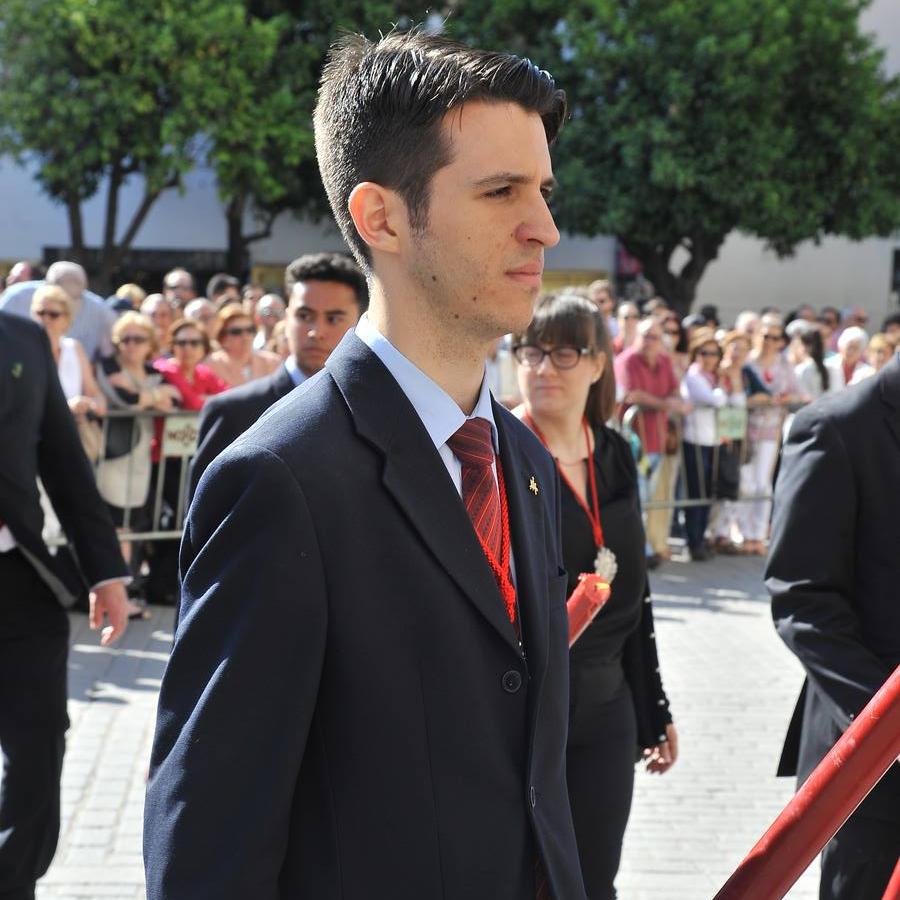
(532, 486)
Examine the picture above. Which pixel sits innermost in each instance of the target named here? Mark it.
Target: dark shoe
(699, 554)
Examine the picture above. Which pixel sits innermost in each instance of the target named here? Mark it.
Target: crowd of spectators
(705, 406)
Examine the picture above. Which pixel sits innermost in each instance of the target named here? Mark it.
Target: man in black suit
(833, 573)
(368, 692)
(326, 296)
(38, 437)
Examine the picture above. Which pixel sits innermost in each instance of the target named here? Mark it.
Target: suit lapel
(890, 394)
(281, 384)
(526, 514)
(415, 476)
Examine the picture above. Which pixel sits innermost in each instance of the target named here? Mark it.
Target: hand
(121, 380)
(662, 757)
(110, 600)
(80, 405)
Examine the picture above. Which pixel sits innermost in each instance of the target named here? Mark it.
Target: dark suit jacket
(834, 565)
(228, 415)
(346, 712)
(38, 437)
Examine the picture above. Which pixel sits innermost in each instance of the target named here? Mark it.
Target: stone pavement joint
(731, 683)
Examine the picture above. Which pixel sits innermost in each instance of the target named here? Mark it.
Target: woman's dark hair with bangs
(572, 321)
(380, 108)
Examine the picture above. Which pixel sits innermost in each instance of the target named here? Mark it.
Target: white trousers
(756, 478)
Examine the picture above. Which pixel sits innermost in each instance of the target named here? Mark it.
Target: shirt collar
(294, 370)
(438, 411)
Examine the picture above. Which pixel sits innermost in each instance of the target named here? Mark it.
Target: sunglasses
(238, 331)
(708, 353)
(531, 356)
(49, 314)
(187, 342)
(631, 316)
(773, 337)
(133, 339)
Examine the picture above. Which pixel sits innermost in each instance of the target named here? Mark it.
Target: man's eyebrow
(513, 178)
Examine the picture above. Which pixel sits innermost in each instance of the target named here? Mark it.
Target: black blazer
(834, 565)
(226, 416)
(346, 712)
(38, 437)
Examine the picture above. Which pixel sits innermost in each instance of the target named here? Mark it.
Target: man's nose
(539, 225)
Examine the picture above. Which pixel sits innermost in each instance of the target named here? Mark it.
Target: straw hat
(700, 337)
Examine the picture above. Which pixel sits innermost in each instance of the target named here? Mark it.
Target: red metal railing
(855, 764)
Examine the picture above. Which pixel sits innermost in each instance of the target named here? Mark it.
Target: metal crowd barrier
(731, 433)
(161, 516)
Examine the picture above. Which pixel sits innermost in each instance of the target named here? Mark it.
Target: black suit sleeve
(69, 482)
(810, 569)
(237, 699)
(216, 430)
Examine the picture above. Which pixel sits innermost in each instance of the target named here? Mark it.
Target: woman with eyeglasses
(764, 427)
(185, 370)
(51, 308)
(236, 362)
(708, 388)
(131, 384)
(618, 707)
(676, 344)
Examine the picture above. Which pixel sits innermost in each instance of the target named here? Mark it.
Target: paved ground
(731, 683)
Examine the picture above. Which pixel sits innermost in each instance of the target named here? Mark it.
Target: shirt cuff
(125, 579)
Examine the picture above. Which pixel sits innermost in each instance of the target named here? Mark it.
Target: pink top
(193, 393)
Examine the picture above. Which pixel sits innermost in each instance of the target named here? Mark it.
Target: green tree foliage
(95, 93)
(692, 118)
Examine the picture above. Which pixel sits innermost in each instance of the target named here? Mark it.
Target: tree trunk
(76, 227)
(237, 258)
(678, 289)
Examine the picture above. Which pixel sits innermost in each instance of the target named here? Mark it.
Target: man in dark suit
(326, 296)
(833, 573)
(38, 437)
(368, 692)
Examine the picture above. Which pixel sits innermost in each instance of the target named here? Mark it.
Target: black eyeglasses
(133, 339)
(531, 356)
(49, 314)
(187, 342)
(237, 331)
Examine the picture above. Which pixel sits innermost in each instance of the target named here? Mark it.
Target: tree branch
(150, 197)
(264, 232)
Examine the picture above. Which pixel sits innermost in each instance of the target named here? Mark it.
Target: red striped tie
(473, 447)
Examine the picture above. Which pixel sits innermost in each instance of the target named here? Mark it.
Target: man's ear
(379, 215)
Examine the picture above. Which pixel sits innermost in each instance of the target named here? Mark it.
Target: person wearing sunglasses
(51, 309)
(185, 370)
(618, 705)
(627, 318)
(236, 362)
(130, 383)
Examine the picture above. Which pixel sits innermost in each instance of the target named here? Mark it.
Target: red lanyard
(500, 567)
(593, 512)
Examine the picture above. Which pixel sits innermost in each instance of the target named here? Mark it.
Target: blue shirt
(438, 411)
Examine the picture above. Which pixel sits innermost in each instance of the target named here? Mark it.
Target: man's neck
(449, 358)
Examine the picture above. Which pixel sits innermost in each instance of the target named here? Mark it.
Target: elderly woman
(618, 705)
(849, 366)
(184, 370)
(707, 387)
(51, 307)
(130, 384)
(159, 311)
(236, 362)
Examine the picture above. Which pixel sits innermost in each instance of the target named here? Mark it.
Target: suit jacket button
(533, 797)
(512, 681)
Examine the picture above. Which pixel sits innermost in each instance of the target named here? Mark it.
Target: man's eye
(547, 193)
(500, 192)
(335, 319)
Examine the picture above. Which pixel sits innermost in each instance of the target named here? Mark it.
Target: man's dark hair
(890, 319)
(219, 283)
(328, 267)
(381, 105)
